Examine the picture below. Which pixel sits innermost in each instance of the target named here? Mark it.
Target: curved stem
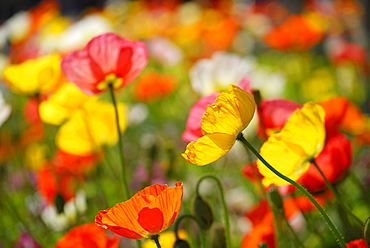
(156, 241)
(330, 224)
(226, 216)
(202, 238)
(123, 165)
(337, 197)
(295, 236)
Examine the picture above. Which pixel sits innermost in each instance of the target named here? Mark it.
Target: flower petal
(151, 220)
(208, 148)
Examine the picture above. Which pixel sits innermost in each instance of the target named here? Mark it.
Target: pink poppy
(106, 60)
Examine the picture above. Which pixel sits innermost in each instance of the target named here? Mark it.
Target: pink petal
(105, 50)
(81, 70)
(139, 60)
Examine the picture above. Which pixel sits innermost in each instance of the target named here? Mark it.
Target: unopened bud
(181, 244)
(275, 198)
(218, 236)
(203, 211)
(59, 203)
(366, 230)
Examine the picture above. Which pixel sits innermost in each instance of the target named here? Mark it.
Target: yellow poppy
(34, 76)
(90, 128)
(290, 151)
(222, 122)
(167, 238)
(61, 105)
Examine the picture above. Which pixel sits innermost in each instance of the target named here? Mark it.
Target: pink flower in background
(106, 60)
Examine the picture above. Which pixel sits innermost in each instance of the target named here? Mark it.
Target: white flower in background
(72, 208)
(77, 35)
(5, 110)
(217, 73)
(270, 84)
(164, 51)
(15, 28)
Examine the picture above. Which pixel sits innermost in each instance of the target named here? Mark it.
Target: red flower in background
(106, 60)
(358, 243)
(63, 175)
(87, 236)
(295, 33)
(154, 86)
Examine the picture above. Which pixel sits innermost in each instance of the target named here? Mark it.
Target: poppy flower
(154, 86)
(106, 60)
(295, 33)
(168, 239)
(90, 128)
(358, 243)
(149, 212)
(34, 76)
(290, 151)
(86, 236)
(193, 128)
(221, 124)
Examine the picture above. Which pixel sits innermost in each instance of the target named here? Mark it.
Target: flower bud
(218, 236)
(275, 198)
(181, 244)
(59, 203)
(203, 211)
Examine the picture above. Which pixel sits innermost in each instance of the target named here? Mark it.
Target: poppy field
(175, 124)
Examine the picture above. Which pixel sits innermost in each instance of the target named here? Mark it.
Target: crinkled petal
(208, 148)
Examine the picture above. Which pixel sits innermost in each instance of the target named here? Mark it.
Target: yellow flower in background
(167, 239)
(222, 122)
(291, 150)
(61, 105)
(34, 76)
(91, 128)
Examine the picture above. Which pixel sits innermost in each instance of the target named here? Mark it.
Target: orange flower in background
(87, 236)
(63, 175)
(295, 33)
(149, 212)
(154, 86)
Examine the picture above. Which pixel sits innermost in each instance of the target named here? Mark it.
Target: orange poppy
(149, 212)
(153, 86)
(295, 33)
(86, 236)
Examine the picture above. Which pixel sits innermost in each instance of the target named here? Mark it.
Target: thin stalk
(120, 145)
(156, 241)
(295, 236)
(330, 224)
(202, 237)
(226, 216)
(337, 197)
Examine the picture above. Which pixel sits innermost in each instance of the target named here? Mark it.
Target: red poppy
(358, 243)
(149, 212)
(106, 60)
(295, 33)
(153, 86)
(87, 236)
(63, 175)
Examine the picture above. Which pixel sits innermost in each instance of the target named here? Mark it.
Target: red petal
(151, 220)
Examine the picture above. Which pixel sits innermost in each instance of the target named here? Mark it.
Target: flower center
(110, 80)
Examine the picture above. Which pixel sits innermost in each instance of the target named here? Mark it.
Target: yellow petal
(290, 151)
(34, 76)
(231, 113)
(208, 148)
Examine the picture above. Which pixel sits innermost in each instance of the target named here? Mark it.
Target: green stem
(156, 241)
(226, 216)
(295, 236)
(337, 197)
(202, 237)
(330, 224)
(120, 145)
